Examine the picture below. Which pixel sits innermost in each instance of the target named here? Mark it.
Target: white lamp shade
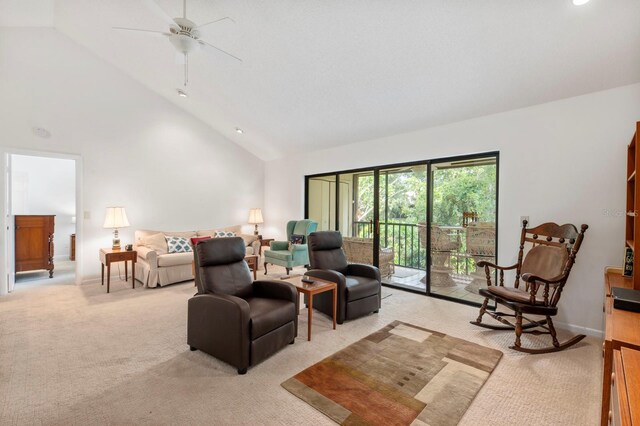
(255, 216)
(116, 218)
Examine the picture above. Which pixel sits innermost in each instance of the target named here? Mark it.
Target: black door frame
(428, 214)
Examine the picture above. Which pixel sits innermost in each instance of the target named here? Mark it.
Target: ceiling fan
(183, 34)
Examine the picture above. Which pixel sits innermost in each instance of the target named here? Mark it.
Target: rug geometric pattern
(399, 375)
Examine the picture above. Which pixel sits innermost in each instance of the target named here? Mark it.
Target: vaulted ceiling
(321, 73)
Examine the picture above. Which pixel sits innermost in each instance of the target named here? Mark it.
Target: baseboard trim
(91, 280)
(580, 329)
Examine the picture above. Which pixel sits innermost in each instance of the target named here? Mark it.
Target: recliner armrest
(150, 256)
(231, 306)
(220, 325)
(362, 270)
(329, 275)
(279, 245)
(275, 290)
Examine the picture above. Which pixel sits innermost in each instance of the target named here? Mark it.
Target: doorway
(42, 206)
(424, 224)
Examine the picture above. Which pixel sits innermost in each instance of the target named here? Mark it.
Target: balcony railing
(409, 251)
(402, 237)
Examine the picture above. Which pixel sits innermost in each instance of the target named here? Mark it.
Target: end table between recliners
(310, 290)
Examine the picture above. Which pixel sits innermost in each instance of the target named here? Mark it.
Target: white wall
(46, 186)
(562, 161)
(169, 170)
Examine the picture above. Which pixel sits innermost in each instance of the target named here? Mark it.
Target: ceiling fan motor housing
(183, 37)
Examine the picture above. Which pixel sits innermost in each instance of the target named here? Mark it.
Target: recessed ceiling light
(580, 2)
(239, 130)
(182, 93)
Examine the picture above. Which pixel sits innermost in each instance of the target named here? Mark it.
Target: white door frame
(6, 245)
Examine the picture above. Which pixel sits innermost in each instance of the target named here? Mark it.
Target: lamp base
(255, 231)
(116, 241)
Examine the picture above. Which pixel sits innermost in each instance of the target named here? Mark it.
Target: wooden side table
(253, 260)
(311, 289)
(109, 256)
(264, 242)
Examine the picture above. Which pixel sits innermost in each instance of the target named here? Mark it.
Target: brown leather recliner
(232, 318)
(359, 286)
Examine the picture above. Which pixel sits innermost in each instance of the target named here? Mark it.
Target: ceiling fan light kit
(182, 34)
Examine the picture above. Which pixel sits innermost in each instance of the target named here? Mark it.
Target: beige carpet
(76, 355)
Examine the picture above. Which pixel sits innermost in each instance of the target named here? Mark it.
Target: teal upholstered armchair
(279, 253)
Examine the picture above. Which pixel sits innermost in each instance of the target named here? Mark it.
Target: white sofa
(156, 267)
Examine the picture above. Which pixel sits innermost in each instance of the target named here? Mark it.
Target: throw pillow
(224, 234)
(295, 239)
(178, 245)
(155, 242)
(196, 240)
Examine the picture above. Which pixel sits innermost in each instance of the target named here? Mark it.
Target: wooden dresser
(621, 373)
(34, 243)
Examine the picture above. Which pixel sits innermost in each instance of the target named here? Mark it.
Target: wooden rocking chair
(544, 270)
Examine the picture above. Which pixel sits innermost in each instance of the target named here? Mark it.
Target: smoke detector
(41, 132)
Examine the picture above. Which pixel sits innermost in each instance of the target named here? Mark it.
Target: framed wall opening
(16, 203)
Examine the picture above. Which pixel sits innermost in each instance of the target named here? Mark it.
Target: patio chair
(443, 244)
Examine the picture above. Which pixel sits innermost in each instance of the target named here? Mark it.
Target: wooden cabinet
(72, 255)
(34, 243)
(632, 224)
(625, 388)
(621, 371)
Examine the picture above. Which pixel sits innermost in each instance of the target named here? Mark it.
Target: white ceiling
(320, 73)
(26, 13)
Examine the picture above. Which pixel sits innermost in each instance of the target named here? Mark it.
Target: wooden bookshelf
(632, 218)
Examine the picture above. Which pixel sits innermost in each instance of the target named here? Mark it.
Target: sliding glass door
(425, 225)
(463, 225)
(402, 217)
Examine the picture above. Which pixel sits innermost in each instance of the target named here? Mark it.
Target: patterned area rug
(400, 375)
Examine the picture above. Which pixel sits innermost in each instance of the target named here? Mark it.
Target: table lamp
(255, 217)
(116, 218)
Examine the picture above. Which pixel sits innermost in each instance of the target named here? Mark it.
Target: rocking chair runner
(544, 270)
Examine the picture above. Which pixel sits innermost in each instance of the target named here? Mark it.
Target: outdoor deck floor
(414, 279)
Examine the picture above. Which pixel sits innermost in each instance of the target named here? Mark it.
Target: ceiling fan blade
(218, 49)
(157, 10)
(217, 20)
(162, 33)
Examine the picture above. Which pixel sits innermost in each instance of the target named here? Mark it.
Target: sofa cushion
(248, 239)
(269, 314)
(183, 234)
(178, 245)
(155, 242)
(204, 232)
(279, 254)
(175, 259)
(360, 287)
